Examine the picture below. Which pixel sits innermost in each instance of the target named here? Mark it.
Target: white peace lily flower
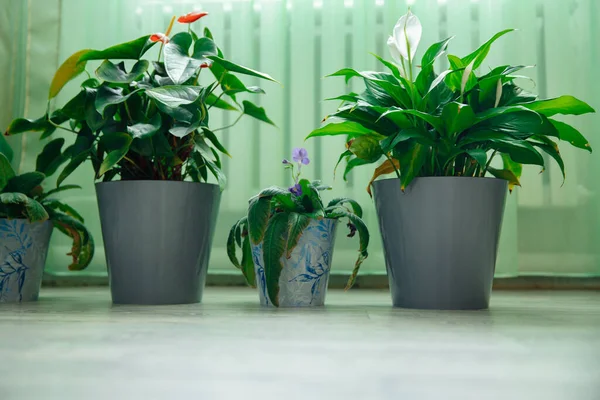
(465, 76)
(406, 37)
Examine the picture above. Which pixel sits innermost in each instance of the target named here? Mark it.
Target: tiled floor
(73, 344)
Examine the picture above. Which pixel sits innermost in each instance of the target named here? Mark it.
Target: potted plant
(442, 134)
(145, 128)
(27, 218)
(287, 240)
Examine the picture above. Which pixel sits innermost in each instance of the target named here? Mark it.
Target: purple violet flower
(300, 155)
(296, 190)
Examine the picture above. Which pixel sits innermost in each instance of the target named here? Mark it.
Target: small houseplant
(287, 240)
(27, 218)
(440, 134)
(145, 128)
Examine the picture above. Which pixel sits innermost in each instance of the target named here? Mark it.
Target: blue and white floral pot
(23, 251)
(304, 278)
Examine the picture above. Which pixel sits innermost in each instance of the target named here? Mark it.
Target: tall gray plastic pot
(440, 239)
(23, 251)
(157, 239)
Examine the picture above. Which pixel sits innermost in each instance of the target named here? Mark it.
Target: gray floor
(73, 344)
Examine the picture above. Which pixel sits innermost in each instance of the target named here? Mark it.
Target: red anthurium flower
(191, 17)
(206, 65)
(159, 37)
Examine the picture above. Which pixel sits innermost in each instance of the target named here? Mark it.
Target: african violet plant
(149, 121)
(22, 196)
(449, 124)
(277, 217)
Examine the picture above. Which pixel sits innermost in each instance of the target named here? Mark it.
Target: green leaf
(58, 190)
(175, 95)
(108, 96)
(116, 145)
(366, 147)
(256, 112)
(21, 125)
(350, 128)
(6, 171)
(297, 224)
(345, 154)
(518, 124)
(411, 156)
(132, 50)
(217, 172)
(550, 148)
(33, 210)
(5, 148)
(247, 265)
(71, 68)
(350, 97)
(213, 139)
(481, 53)
(566, 105)
(479, 155)
(435, 121)
(457, 118)
(353, 163)
(259, 210)
(339, 201)
(75, 162)
(232, 85)
(381, 86)
(203, 48)
(67, 209)
(390, 142)
(51, 157)
(569, 134)
(111, 159)
(213, 101)
(24, 183)
(434, 51)
(506, 175)
(116, 73)
(274, 247)
(231, 67)
(231, 241)
(391, 66)
(75, 108)
(179, 65)
(148, 129)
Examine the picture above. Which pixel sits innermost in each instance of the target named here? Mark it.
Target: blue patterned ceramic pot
(23, 251)
(303, 280)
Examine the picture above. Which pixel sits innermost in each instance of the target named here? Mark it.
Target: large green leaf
(481, 53)
(132, 50)
(108, 96)
(353, 163)
(297, 225)
(175, 95)
(5, 148)
(435, 121)
(21, 125)
(213, 101)
(519, 150)
(567, 105)
(116, 73)
(418, 135)
(519, 124)
(232, 67)
(31, 209)
(231, 241)
(412, 156)
(551, 148)
(71, 68)
(213, 139)
(179, 65)
(366, 147)
(116, 145)
(51, 157)
(148, 129)
(505, 174)
(334, 128)
(274, 247)
(479, 155)
(569, 134)
(457, 118)
(434, 51)
(340, 201)
(203, 48)
(254, 111)
(391, 66)
(6, 171)
(24, 183)
(259, 211)
(75, 108)
(231, 85)
(380, 85)
(247, 265)
(75, 162)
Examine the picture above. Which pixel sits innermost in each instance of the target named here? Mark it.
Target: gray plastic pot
(440, 239)
(157, 239)
(23, 251)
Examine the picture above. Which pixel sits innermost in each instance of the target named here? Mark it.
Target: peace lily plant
(449, 124)
(278, 222)
(440, 134)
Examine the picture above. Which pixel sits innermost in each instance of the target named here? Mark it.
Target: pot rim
(25, 220)
(487, 178)
(163, 182)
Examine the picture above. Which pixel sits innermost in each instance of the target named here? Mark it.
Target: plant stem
(393, 166)
(488, 163)
(229, 126)
(61, 127)
(127, 110)
(216, 101)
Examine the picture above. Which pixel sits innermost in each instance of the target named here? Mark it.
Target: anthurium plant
(278, 216)
(452, 123)
(22, 196)
(140, 119)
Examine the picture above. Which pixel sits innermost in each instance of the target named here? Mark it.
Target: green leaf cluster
(277, 218)
(22, 196)
(452, 123)
(138, 119)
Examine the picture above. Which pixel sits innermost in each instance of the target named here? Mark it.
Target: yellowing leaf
(67, 71)
(386, 168)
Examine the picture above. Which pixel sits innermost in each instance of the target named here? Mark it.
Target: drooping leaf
(297, 224)
(569, 134)
(353, 163)
(31, 209)
(274, 247)
(254, 111)
(388, 167)
(6, 171)
(58, 190)
(231, 241)
(232, 67)
(71, 68)
(506, 175)
(259, 210)
(51, 157)
(24, 183)
(116, 73)
(340, 201)
(551, 148)
(247, 265)
(82, 249)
